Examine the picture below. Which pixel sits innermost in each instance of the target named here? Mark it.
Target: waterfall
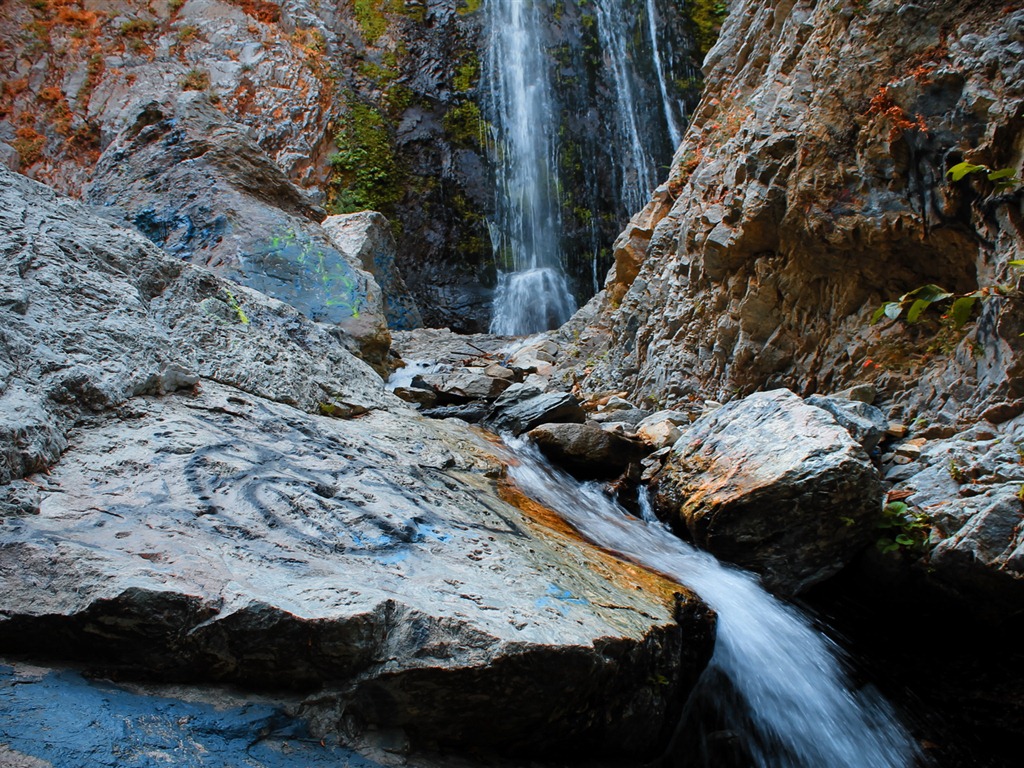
(613, 110)
(674, 134)
(775, 684)
(533, 295)
(639, 176)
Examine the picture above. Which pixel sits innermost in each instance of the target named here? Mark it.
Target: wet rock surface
(773, 485)
(586, 451)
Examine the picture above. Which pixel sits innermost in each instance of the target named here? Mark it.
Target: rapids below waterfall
(776, 690)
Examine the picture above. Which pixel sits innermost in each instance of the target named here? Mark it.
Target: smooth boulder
(774, 485)
(586, 451)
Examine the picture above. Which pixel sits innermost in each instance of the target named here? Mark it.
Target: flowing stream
(776, 684)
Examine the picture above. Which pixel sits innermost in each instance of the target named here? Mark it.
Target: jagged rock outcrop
(350, 100)
(774, 485)
(809, 189)
(190, 496)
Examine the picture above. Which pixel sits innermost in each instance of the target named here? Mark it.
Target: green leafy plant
(1005, 179)
(905, 529)
(915, 302)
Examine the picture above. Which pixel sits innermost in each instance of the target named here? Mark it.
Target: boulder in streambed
(774, 485)
(586, 451)
(523, 407)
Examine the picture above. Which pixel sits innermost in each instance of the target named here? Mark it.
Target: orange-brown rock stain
(624, 574)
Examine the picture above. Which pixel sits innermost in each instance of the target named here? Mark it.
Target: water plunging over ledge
(534, 295)
(615, 86)
(775, 683)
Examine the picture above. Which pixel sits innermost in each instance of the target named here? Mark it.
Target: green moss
(370, 17)
(464, 125)
(469, 6)
(707, 17)
(366, 174)
(467, 74)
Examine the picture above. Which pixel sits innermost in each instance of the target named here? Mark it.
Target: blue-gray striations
(70, 722)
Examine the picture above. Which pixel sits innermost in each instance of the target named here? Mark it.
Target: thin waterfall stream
(775, 683)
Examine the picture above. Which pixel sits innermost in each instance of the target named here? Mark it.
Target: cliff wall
(810, 188)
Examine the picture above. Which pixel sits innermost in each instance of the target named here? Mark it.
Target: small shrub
(195, 80)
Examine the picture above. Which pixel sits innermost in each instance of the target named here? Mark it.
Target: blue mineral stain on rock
(563, 596)
(70, 722)
(308, 274)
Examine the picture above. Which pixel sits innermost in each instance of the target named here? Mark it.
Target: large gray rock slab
(227, 499)
(197, 185)
(366, 238)
(773, 485)
(92, 314)
(216, 536)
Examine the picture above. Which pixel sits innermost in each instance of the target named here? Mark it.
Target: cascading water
(674, 133)
(534, 295)
(639, 175)
(775, 684)
(582, 107)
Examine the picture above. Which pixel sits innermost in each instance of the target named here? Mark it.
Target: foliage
(1005, 179)
(366, 171)
(464, 125)
(370, 17)
(707, 17)
(195, 80)
(905, 530)
(915, 302)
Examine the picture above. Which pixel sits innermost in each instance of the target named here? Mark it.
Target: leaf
(960, 170)
(1016, 263)
(961, 310)
(916, 309)
(892, 309)
(879, 313)
(929, 293)
(896, 507)
(905, 540)
(1003, 173)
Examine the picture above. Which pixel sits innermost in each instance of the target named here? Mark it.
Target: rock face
(234, 211)
(810, 187)
(366, 239)
(970, 489)
(213, 510)
(773, 485)
(94, 315)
